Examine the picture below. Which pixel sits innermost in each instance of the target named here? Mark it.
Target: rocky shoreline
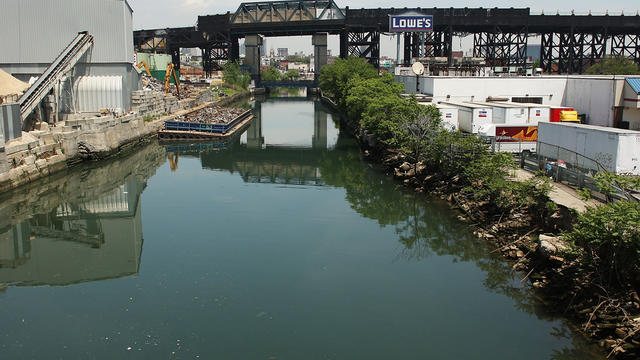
(531, 241)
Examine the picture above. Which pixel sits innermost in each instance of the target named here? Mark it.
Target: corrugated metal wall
(36, 31)
(10, 121)
(93, 93)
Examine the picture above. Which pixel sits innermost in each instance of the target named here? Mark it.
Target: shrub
(610, 237)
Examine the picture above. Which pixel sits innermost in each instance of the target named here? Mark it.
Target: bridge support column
(253, 43)
(319, 140)
(319, 42)
(255, 140)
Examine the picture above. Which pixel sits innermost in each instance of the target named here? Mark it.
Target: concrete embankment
(50, 149)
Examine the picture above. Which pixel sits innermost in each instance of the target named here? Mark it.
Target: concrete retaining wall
(50, 149)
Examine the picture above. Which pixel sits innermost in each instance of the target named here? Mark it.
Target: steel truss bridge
(569, 43)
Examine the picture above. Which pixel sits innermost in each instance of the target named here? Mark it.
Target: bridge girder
(286, 11)
(569, 43)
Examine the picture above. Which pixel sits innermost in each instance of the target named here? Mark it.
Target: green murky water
(281, 244)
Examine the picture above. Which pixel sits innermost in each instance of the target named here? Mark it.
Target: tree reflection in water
(426, 226)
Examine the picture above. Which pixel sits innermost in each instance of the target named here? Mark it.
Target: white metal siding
(481, 117)
(93, 93)
(9, 31)
(36, 31)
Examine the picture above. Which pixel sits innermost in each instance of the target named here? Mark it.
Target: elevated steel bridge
(569, 43)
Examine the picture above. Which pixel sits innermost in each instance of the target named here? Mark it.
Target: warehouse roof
(635, 84)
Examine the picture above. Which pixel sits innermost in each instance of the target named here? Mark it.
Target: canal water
(280, 244)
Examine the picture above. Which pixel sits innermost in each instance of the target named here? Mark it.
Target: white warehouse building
(600, 98)
(35, 32)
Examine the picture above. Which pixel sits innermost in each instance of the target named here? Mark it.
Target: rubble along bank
(611, 319)
(48, 150)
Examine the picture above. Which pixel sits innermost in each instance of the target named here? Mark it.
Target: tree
(271, 74)
(334, 78)
(610, 236)
(232, 74)
(614, 65)
(292, 74)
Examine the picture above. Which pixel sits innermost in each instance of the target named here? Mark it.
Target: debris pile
(212, 115)
(151, 83)
(186, 91)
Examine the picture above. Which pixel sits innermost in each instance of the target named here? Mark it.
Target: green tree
(292, 74)
(610, 237)
(232, 74)
(334, 78)
(271, 74)
(614, 65)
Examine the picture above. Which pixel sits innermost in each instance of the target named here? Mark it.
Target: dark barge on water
(184, 130)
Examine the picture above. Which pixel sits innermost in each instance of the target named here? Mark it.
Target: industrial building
(36, 32)
(604, 100)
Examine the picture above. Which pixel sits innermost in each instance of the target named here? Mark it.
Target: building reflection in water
(80, 239)
(258, 160)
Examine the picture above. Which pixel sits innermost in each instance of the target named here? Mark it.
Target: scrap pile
(151, 83)
(186, 91)
(212, 115)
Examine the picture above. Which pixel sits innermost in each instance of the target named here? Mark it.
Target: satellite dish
(418, 68)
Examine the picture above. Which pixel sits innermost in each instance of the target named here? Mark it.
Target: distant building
(283, 52)
(301, 67)
(533, 51)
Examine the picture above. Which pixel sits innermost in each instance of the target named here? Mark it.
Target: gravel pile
(212, 115)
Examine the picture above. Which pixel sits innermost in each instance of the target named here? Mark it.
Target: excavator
(167, 76)
(146, 67)
(171, 71)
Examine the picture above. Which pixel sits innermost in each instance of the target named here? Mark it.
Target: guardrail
(569, 168)
(206, 128)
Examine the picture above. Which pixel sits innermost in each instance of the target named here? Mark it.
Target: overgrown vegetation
(233, 74)
(375, 105)
(608, 236)
(599, 276)
(614, 65)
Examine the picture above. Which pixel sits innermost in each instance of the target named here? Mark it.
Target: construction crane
(146, 67)
(171, 71)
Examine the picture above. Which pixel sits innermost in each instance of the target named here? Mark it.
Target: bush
(232, 74)
(610, 237)
(334, 79)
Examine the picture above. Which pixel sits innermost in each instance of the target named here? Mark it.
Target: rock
(519, 254)
(410, 173)
(621, 333)
(405, 166)
(551, 245)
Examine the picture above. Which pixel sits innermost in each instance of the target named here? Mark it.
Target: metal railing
(569, 168)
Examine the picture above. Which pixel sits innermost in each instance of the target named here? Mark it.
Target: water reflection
(77, 227)
(424, 227)
(278, 158)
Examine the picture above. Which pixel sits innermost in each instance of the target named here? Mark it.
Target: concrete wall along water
(46, 150)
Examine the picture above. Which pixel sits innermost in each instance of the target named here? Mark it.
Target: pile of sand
(10, 85)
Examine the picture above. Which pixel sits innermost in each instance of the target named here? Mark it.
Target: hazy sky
(151, 14)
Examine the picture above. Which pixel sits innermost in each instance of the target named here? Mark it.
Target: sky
(153, 14)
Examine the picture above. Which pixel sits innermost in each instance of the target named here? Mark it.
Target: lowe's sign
(410, 23)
